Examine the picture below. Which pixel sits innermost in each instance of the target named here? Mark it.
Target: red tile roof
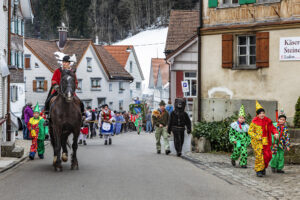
(45, 50)
(114, 69)
(119, 53)
(159, 64)
(182, 27)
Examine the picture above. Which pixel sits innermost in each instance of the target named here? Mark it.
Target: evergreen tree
(297, 114)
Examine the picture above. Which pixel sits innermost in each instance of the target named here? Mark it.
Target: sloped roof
(119, 53)
(159, 64)
(45, 50)
(114, 69)
(182, 27)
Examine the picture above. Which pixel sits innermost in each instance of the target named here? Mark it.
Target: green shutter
(213, 3)
(246, 1)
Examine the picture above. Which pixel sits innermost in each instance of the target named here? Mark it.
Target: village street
(129, 169)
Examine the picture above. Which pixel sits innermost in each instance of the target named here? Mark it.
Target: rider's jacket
(57, 77)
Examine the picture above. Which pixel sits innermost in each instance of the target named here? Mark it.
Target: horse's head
(67, 84)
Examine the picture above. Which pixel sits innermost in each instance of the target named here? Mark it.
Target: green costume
(239, 133)
(282, 144)
(138, 124)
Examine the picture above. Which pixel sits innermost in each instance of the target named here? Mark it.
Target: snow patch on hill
(148, 44)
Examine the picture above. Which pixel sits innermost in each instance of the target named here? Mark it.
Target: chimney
(62, 30)
(97, 40)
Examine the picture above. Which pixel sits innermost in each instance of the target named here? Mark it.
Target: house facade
(100, 78)
(182, 53)
(3, 69)
(159, 81)
(126, 56)
(251, 50)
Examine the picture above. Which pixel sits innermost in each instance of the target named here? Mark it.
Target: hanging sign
(185, 86)
(289, 48)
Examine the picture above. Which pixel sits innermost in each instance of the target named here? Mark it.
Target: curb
(13, 164)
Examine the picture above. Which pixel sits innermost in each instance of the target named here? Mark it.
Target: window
(16, 26)
(20, 59)
(36, 65)
(121, 89)
(14, 93)
(138, 85)
(22, 28)
(12, 26)
(40, 84)
(95, 83)
(12, 58)
(120, 105)
(131, 94)
(87, 103)
(130, 69)
(246, 51)
(5, 6)
(19, 27)
(79, 87)
(110, 87)
(228, 2)
(191, 78)
(111, 104)
(27, 61)
(89, 64)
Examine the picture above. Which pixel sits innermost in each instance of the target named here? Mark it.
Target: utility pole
(199, 60)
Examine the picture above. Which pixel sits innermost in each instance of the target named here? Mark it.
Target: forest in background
(110, 20)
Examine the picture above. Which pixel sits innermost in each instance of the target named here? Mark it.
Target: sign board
(289, 48)
(185, 86)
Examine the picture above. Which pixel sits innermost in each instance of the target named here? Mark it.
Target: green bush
(217, 132)
(297, 114)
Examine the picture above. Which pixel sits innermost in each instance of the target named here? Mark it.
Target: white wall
(30, 75)
(136, 76)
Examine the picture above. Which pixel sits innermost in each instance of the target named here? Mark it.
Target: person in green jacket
(37, 134)
(160, 120)
(139, 123)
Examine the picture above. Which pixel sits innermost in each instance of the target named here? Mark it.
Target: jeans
(25, 131)
(148, 126)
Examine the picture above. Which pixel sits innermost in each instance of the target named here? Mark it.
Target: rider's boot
(46, 123)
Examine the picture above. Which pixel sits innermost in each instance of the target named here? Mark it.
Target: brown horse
(65, 119)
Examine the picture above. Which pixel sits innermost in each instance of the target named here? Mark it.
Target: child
(84, 131)
(119, 122)
(238, 136)
(138, 123)
(261, 130)
(37, 133)
(280, 145)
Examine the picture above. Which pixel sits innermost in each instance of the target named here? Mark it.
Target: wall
(136, 76)
(280, 82)
(16, 107)
(30, 75)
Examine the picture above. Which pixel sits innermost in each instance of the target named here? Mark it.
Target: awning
(4, 71)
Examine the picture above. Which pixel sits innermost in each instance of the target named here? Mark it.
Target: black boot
(273, 170)
(168, 152)
(280, 171)
(158, 151)
(84, 142)
(105, 143)
(109, 141)
(244, 166)
(80, 142)
(259, 174)
(233, 162)
(264, 172)
(179, 154)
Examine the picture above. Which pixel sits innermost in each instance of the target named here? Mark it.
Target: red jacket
(57, 76)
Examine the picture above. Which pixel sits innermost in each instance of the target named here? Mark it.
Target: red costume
(57, 77)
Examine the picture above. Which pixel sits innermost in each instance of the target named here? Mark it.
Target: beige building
(249, 50)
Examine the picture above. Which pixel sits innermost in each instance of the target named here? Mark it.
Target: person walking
(126, 121)
(169, 107)
(160, 121)
(28, 113)
(148, 122)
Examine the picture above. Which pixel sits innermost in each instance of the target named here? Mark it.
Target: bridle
(68, 96)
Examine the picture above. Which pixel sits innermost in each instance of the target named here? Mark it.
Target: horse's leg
(64, 140)
(74, 163)
(57, 160)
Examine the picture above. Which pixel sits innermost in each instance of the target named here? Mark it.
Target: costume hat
(66, 59)
(242, 111)
(162, 103)
(258, 106)
(36, 108)
(282, 114)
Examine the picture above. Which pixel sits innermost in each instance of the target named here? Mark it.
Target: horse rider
(55, 85)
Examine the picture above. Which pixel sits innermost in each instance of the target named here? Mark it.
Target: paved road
(129, 169)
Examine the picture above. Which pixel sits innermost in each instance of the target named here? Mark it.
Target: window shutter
(262, 49)
(45, 85)
(27, 63)
(227, 51)
(179, 78)
(213, 3)
(34, 85)
(241, 2)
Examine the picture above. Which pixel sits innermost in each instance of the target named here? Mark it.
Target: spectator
(28, 113)
(148, 122)
(169, 107)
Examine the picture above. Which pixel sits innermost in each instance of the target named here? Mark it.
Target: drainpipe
(199, 60)
(8, 122)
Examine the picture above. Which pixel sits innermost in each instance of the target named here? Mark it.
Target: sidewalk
(7, 163)
(272, 186)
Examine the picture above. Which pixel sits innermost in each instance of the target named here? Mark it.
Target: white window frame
(110, 87)
(13, 93)
(96, 87)
(190, 79)
(79, 87)
(140, 84)
(121, 87)
(40, 84)
(248, 55)
(89, 64)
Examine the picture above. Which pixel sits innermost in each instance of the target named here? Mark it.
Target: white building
(159, 81)
(101, 79)
(126, 56)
